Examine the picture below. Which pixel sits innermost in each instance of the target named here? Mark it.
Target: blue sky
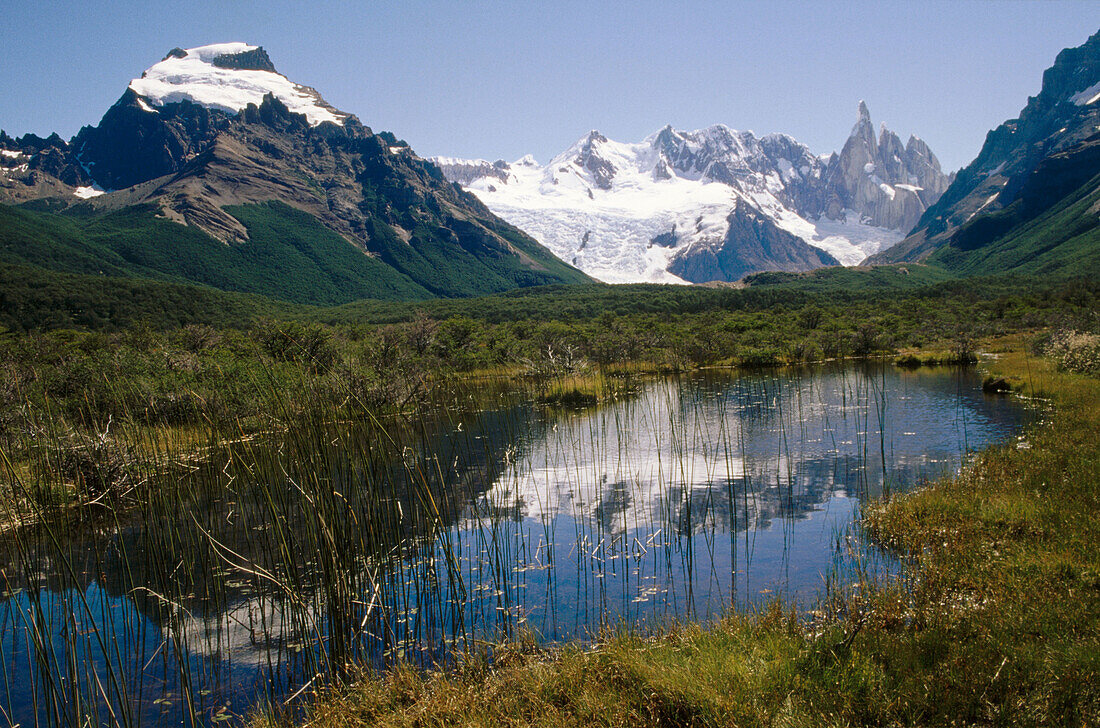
(501, 79)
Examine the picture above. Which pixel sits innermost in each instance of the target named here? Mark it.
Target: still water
(278, 564)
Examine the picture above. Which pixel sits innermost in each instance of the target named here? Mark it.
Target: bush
(1075, 351)
(866, 341)
(311, 344)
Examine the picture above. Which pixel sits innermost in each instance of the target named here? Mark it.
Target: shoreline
(998, 570)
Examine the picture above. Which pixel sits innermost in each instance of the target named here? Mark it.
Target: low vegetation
(998, 622)
(164, 383)
(998, 625)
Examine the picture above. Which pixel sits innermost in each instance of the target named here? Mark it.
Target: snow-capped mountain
(283, 194)
(228, 76)
(674, 206)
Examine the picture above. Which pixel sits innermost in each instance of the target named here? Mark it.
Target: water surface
(279, 563)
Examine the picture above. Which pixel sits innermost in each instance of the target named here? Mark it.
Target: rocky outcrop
(133, 143)
(250, 60)
(588, 158)
(752, 243)
(32, 167)
(463, 172)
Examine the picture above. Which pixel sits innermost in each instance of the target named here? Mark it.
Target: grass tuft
(999, 623)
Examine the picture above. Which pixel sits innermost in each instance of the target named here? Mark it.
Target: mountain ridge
(214, 129)
(1064, 115)
(601, 204)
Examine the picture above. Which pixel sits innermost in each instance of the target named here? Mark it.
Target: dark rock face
(1051, 123)
(253, 60)
(603, 171)
(59, 163)
(1056, 177)
(666, 240)
(132, 144)
(753, 243)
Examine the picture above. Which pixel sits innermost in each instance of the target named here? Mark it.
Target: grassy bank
(999, 625)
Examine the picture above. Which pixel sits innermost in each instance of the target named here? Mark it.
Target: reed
(996, 624)
(361, 527)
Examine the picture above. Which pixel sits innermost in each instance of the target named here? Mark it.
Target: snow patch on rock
(85, 193)
(1089, 96)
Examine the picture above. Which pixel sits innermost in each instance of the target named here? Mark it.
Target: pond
(283, 563)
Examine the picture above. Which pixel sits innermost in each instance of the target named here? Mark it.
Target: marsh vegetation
(198, 588)
(208, 524)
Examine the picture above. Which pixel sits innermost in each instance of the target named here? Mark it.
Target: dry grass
(1001, 625)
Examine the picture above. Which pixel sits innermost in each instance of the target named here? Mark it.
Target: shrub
(292, 341)
(865, 341)
(97, 464)
(1075, 351)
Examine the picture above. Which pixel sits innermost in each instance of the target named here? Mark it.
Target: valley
(300, 427)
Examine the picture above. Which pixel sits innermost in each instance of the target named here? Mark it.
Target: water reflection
(280, 562)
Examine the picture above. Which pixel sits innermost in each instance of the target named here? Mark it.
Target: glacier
(621, 212)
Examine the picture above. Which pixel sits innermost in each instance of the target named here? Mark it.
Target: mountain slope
(1052, 227)
(1026, 166)
(633, 212)
(289, 256)
(752, 243)
(224, 172)
(33, 298)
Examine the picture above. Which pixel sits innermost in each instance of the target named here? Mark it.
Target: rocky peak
(589, 147)
(917, 147)
(889, 185)
(1074, 70)
(255, 59)
(594, 137)
(863, 132)
(891, 156)
(227, 77)
(752, 242)
(589, 158)
(178, 106)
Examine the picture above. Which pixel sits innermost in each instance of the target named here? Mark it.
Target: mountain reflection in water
(279, 562)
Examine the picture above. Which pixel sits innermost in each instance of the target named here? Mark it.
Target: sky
(498, 80)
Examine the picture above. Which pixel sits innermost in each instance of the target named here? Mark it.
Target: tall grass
(159, 582)
(999, 624)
